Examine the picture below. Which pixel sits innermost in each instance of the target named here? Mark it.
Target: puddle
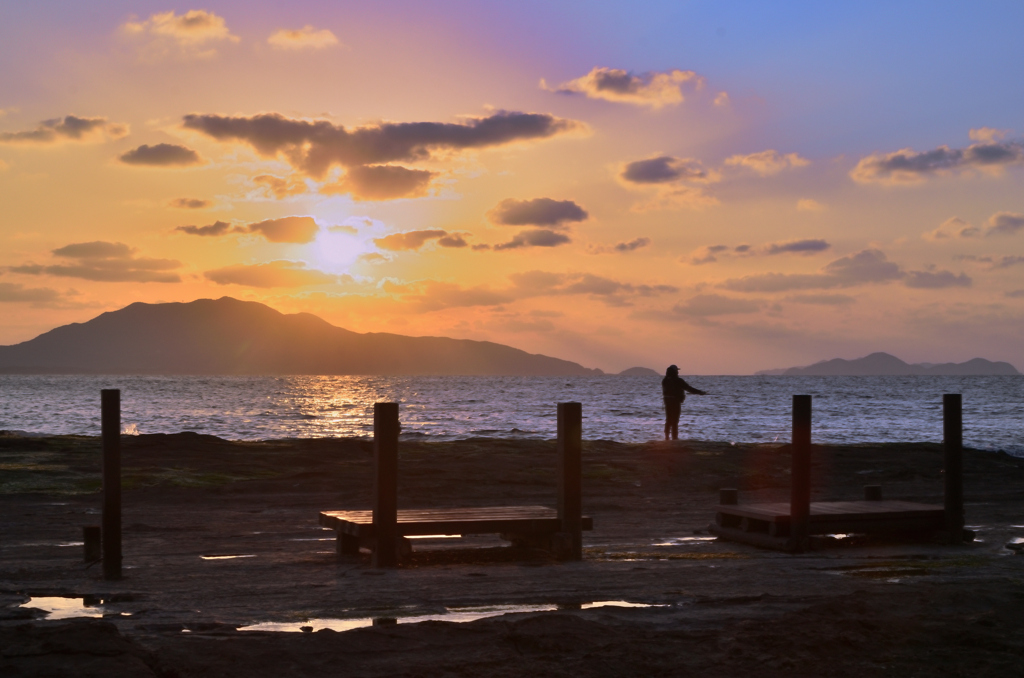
(61, 607)
(228, 557)
(453, 614)
(313, 539)
(434, 536)
(684, 541)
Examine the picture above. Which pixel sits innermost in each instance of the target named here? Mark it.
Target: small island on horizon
(884, 364)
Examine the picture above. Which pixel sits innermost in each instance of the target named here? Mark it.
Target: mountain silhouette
(889, 365)
(228, 336)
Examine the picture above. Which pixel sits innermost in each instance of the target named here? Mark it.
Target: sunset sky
(728, 186)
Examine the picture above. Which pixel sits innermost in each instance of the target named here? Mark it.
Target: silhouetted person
(674, 389)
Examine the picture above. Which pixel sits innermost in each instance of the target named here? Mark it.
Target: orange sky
(718, 189)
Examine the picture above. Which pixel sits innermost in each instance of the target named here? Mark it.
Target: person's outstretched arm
(690, 389)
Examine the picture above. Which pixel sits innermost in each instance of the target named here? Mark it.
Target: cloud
(668, 177)
(306, 37)
(796, 247)
(954, 227)
(652, 89)
(189, 203)
(994, 263)
(105, 262)
(664, 169)
(612, 292)
(271, 274)
(68, 128)
(452, 240)
(381, 182)
(286, 229)
(536, 212)
(297, 230)
(809, 205)
(215, 229)
(1015, 294)
(822, 299)
(865, 267)
(538, 237)
(1005, 223)
(16, 293)
(767, 162)
(161, 155)
(314, 146)
(279, 187)
(410, 240)
(707, 254)
(722, 99)
(934, 280)
(704, 305)
(632, 245)
(908, 166)
(434, 296)
(187, 36)
(986, 134)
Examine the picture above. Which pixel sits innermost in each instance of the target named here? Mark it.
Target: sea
(626, 409)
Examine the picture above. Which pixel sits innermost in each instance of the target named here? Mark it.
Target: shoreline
(859, 607)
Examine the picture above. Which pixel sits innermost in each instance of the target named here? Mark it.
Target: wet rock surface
(860, 607)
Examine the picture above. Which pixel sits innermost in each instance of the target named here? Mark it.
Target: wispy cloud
(70, 128)
(653, 89)
(865, 267)
(296, 229)
(715, 304)
(105, 262)
(189, 203)
(272, 274)
(414, 240)
(908, 166)
(767, 163)
(192, 35)
(304, 38)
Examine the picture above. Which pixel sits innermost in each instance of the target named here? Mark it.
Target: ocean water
(628, 409)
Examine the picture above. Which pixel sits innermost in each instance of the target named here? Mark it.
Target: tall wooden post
(110, 424)
(570, 472)
(953, 453)
(800, 494)
(385, 484)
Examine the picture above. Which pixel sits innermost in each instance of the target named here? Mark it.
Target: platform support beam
(385, 484)
(800, 492)
(953, 453)
(110, 426)
(570, 476)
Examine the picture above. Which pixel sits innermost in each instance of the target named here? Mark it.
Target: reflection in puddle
(453, 614)
(434, 536)
(313, 539)
(684, 541)
(228, 557)
(61, 607)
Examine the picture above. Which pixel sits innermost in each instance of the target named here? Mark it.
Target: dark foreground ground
(857, 608)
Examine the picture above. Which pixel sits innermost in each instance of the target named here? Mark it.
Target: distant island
(639, 372)
(232, 337)
(884, 364)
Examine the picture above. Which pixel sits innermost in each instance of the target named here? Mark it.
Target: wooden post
(953, 453)
(110, 423)
(570, 474)
(93, 550)
(728, 496)
(800, 493)
(385, 484)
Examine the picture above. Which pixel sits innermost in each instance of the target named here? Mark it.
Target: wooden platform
(355, 528)
(832, 517)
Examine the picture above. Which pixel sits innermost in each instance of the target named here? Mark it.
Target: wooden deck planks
(842, 516)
